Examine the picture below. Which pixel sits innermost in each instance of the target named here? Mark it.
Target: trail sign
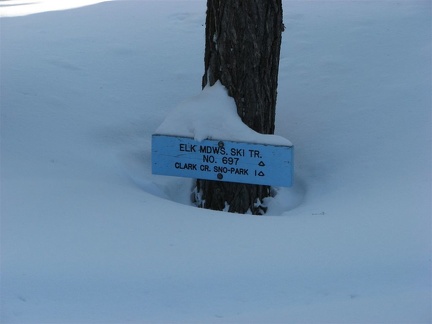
(222, 160)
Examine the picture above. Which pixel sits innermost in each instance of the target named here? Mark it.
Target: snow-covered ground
(89, 235)
(15, 8)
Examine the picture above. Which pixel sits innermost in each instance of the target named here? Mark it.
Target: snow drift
(89, 235)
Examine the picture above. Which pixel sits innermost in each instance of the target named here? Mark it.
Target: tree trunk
(242, 50)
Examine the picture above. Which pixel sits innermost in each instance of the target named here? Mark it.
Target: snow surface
(14, 8)
(88, 235)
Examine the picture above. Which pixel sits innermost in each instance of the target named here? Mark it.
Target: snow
(212, 114)
(14, 8)
(89, 235)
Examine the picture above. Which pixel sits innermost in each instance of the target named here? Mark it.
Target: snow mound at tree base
(180, 190)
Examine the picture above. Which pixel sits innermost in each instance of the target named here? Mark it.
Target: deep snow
(89, 235)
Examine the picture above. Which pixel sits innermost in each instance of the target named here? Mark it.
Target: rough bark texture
(242, 50)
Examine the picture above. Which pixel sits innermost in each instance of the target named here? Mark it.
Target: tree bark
(242, 51)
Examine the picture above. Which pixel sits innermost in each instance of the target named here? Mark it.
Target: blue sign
(222, 160)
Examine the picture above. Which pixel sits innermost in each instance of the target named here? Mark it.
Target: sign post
(222, 160)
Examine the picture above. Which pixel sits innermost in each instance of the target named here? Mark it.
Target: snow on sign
(222, 160)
